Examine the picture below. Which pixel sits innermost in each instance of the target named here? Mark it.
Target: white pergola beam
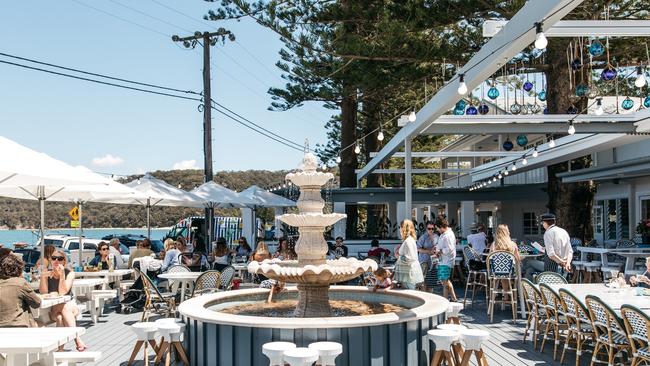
(454, 154)
(422, 171)
(477, 128)
(518, 34)
(583, 28)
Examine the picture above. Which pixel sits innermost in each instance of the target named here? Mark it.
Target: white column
(248, 225)
(408, 185)
(419, 213)
(401, 212)
(452, 212)
(466, 217)
(277, 223)
(339, 227)
(392, 213)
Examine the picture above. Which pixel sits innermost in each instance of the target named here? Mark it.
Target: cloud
(185, 164)
(107, 160)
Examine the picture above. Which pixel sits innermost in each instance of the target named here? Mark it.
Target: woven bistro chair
(502, 268)
(609, 330)
(637, 324)
(536, 313)
(555, 319)
(580, 328)
(474, 278)
(177, 268)
(207, 282)
(550, 278)
(227, 274)
(156, 301)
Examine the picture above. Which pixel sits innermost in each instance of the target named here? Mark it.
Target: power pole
(208, 39)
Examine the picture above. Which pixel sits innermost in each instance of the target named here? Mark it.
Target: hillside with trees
(24, 214)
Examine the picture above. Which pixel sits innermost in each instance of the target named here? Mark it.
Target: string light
(338, 159)
(524, 161)
(640, 78)
(572, 129)
(500, 175)
(551, 143)
(380, 135)
(535, 152)
(462, 87)
(514, 167)
(412, 116)
(505, 172)
(357, 149)
(540, 39)
(599, 107)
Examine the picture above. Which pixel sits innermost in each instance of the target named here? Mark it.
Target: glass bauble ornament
(493, 93)
(541, 95)
(459, 111)
(545, 110)
(461, 104)
(515, 108)
(522, 140)
(596, 48)
(471, 111)
(582, 90)
(528, 86)
(608, 74)
(646, 102)
(572, 110)
(576, 64)
(627, 104)
(535, 108)
(483, 108)
(508, 145)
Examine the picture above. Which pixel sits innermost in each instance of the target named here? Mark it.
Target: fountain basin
(333, 271)
(396, 338)
(311, 220)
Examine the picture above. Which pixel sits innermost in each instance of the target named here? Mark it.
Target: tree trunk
(376, 212)
(348, 163)
(570, 202)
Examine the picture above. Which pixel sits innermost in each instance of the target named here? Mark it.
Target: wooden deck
(115, 340)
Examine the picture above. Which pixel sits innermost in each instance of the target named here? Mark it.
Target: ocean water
(9, 237)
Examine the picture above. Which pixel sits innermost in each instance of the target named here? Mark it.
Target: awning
(625, 169)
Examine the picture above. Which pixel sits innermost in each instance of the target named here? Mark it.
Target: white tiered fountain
(312, 272)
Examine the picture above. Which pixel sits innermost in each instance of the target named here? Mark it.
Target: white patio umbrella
(158, 193)
(28, 174)
(217, 196)
(264, 198)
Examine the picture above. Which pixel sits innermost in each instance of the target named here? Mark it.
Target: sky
(117, 131)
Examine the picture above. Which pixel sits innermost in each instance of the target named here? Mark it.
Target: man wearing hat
(557, 242)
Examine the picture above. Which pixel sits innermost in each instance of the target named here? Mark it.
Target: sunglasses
(57, 258)
(429, 228)
(104, 249)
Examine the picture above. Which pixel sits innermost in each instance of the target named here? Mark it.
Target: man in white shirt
(557, 243)
(446, 251)
(114, 248)
(478, 240)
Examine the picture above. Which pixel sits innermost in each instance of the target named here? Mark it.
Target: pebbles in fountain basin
(285, 308)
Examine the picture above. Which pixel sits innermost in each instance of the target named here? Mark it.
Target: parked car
(129, 241)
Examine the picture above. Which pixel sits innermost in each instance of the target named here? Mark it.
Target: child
(382, 279)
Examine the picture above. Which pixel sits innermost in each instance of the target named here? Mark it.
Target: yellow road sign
(74, 223)
(74, 213)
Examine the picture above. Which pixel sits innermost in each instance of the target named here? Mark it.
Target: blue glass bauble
(596, 48)
(522, 140)
(493, 93)
(646, 102)
(483, 108)
(576, 64)
(572, 110)
(582, 90)
(528, 86)
(545, 110)
(608, 74)
(627, 104)
(461, 104)
(515, 109)
(471, 111)
(459, 111)
(508, 145)
(541, 95)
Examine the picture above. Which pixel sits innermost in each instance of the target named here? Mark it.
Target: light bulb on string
(505, 172)
(500, 176)
(524, 161)
(357, 149)
(572, 129)
(338, 159)
(540, 39)
(514, 167)
(412, 116)
(640, 78)
(551, 143)
(599, 107)
(462, 87)
(535, 152)
(380, 135)
(323, 167)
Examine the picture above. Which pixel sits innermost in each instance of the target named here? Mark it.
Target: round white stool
(171, 333)
(456, 347)
(327, 352)
(300, 356)
(275, 352)
(453, 327)
(443, 340)
(146, 335)
(473, 339)
(452, 312)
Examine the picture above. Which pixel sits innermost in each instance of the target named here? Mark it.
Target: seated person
(376, 250)
(285, 251)
(16, 295)
(221, 254)
(101, 259)
(478, 240)
(171, 255)
(642, 280)
(143, 249)
(382, 279)
(59, 281)
(261, 252)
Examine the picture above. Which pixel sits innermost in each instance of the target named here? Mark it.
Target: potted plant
(643, 229)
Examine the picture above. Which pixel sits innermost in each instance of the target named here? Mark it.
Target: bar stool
(456, 346)
(327, 352)
(275, 352)
(145, 333)
(300, 356)
(452, 312)
(171, 339)
(443, 340)
(473, 340)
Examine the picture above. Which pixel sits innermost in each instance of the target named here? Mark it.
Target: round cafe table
(184, 278)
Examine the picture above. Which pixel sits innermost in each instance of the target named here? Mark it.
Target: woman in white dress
(408, 271)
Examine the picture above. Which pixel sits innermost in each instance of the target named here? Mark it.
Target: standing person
(478, 240)
(340, 249)
(59, 280)
(101, 259)
(407, 269)
(116, 251)
(16, 295)
(446, 251)
(557, 246)
(426, 244)
(142, 250)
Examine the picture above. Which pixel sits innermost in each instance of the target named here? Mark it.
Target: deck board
(114, 338)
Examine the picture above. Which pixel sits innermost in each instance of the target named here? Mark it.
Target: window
(531, 225)
(615, 223)
(645, 207)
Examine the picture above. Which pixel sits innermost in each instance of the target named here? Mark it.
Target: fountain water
(312, 272)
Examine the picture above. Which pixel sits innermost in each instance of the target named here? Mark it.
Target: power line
(120, 18)
(150, 16)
